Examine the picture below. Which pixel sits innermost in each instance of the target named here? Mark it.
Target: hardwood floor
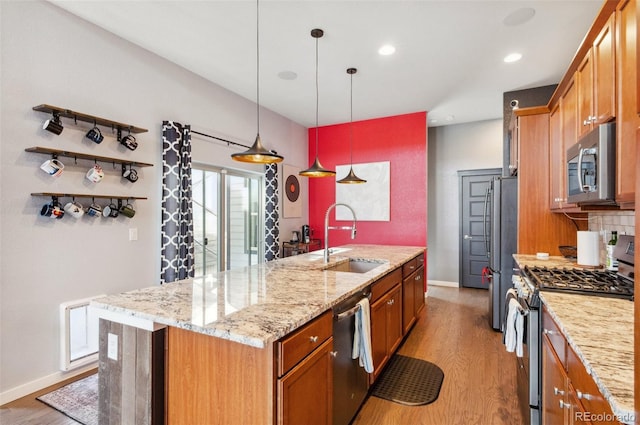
(479, 384)
(480, 376)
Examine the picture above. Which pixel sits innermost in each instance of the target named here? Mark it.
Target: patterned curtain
(177, 213)
(271, 216)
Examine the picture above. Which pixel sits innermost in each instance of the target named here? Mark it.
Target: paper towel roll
(588, 248)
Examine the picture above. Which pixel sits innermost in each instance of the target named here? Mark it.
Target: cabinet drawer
(382, 286)
(586, 390)
(556, 338)
(410, 267)
(297, 345)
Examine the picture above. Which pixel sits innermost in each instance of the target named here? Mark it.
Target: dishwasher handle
(350, 312)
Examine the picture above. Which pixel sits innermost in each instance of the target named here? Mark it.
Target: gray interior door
(475, 218)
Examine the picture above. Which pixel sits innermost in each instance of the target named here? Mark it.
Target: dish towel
(362, 336)
(514, 329)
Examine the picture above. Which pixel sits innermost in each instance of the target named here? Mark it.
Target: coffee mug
(94, 210)
(53, 125)
(127, 210)
(131, 175)
(52, 209)
(53, 167)
(75, 209)
(95, 173)
(110, 210)
(129, 141)
(95, 135)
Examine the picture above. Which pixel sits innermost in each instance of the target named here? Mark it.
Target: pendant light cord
(258, 66)
(351, 126)
(317, 97)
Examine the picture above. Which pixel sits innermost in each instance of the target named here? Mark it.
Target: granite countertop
(259, 304)
(600, 331)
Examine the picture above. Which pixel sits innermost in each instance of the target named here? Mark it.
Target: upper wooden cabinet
(627, 116)
(596, 78)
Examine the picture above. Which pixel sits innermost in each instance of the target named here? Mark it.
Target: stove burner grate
(586, 282)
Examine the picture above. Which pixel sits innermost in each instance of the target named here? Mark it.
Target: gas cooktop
(585, 282)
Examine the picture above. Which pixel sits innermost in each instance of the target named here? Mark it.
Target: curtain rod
(228, 142)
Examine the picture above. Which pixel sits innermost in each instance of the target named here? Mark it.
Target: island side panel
(216, 381)
(131, 375)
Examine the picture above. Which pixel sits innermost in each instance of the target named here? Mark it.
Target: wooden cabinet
(627, 115)
(386, 327)
(569, 394)
(305, 374)
(412, 292)
(539, 229)
(305, 393)
(595, 79)
(554, 387)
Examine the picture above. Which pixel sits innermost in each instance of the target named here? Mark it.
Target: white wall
(451, 148)
(50, 56)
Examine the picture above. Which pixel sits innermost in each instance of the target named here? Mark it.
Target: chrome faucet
(327, 227)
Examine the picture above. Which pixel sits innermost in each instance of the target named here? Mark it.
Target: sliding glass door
(227, 207)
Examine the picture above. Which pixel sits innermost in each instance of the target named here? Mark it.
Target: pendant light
(257, 153)
(351, 177)
(317, 170)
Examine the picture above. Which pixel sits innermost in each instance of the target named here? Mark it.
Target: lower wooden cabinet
(569, 394)
(412, 298)
(305, 392)
(386, 328)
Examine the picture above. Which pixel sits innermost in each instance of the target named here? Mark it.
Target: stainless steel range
(532, 280)
(584, 282)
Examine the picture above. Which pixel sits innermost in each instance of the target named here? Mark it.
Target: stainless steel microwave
(591, 167)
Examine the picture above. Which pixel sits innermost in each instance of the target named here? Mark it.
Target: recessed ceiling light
(519, 16)
(386, 50)
(512, 57)
(287, 75)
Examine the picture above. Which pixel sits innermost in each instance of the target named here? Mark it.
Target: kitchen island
(224, 335)
(599, 330)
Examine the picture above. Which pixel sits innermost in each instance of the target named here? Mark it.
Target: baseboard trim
(443, 283)
(41, 383)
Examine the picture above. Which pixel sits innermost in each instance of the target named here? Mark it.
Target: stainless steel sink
(354, 266)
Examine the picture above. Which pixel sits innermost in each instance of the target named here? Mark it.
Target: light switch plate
(112, 346)
(133, 234)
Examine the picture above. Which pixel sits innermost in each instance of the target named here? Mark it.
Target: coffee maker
(306, 233)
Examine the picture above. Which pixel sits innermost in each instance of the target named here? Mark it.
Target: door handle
(468, 237)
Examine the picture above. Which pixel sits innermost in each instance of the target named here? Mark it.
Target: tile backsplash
(621, 221)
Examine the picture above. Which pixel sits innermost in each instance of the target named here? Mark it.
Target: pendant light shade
(351, 178)
(257, 153)
(317, 170)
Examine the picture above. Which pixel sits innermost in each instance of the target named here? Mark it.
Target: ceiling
(448, 59)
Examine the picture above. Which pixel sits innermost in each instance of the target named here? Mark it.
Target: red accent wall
(401, 140)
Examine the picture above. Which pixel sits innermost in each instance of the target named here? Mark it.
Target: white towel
(514, 328)
(362, 336)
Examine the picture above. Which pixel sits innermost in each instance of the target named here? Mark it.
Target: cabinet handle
(583, 396)
(313, 339)
(556, 391)
(334, 354)
(391, 301)
(417, 277)
(548, 332)
(564, 405)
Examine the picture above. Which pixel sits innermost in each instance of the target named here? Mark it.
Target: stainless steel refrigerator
(501, 232)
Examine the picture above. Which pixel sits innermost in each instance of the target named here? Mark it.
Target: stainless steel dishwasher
(350, 381)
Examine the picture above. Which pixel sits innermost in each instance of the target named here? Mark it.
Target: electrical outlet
(133, 234)
(112, 346)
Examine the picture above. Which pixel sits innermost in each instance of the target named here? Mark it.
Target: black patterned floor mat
(409, 381)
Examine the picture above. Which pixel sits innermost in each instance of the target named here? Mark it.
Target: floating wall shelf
(84, 195)
(79, 116)
(77, 155)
